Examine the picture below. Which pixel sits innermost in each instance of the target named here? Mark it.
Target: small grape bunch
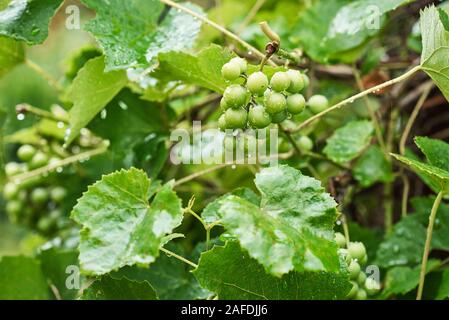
(355, 256)
(34, 202)
(261, 101)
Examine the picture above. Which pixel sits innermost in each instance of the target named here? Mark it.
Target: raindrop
(35, 31)
(250, 53)
(20, 117)
(61, 125)
(103, 114)
(59, 169)
(338, 222)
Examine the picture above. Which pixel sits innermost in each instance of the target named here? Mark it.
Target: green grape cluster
(355, 256)
(33, 202)
(261, 101)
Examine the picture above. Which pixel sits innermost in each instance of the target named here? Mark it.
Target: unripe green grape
(296, 103)
(241, 63)
(39, 196)
(361, 294)
(279, 117)
(222, 122)
(223, 105)
(58, 194)
(353, 292)
(305, 143)
(354, 270)
(364, 260)
(275, 102)
(356, 250)
(12, 168)
(257, 83)
(340, 239)
(40, 159)
(235, 96)
(55, 214)
(296, 81)
(26, 152)
(13, 207)
(371, 286)
(258, 117)
(45, 224)
(231, 71)
(236, 118)
(318, 103)
(306, 80)
(10, 191)
(280, 81)
(361, 278)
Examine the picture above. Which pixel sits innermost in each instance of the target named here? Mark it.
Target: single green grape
(275, 102)
(39, 196)
(361, 294)
(296, 81)
(45, 224)
(231, 71)
(222, 122)
(40, 159)
(12, 168)
(235, 96)
(318, 103)
(258, 117)
(257, 83)
(14, 207)
(340, 239)
(305, 143)
(241, 63)
(58, 194)
(354, 270)
(279, 117)
(353, 292)
(236, 118)
(223, 105)
(356, 250)
(280, 81)
(364, 260)
(306, 80)
(361, 278)
(296, 103)
(10, 191)
(26, 152)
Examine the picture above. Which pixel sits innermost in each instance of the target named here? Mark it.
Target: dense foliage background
(94, 208)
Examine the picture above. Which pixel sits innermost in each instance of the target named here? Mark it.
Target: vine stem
(432, 216)
(26, 108)
(57, 164)
(216, 26)
(195, 175)
(358, 96)
(174, 255)
(44, 74)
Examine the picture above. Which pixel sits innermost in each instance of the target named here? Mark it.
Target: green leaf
(117, 207)
(54, 263)
(131, 34)
(436, 151)
(437, 176)
(28, 20)
(435, 41)
(21, 278)
(443, 289)
(203, 69)
(108, 288)
(404, 246)
(349, 141)
(90, 92)
(444, 18)
(12, 53)
(171, 278)
(293, 227)
(233, 275)
(372, 167)
(401, 280)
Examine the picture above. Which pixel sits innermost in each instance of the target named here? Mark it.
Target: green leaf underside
(349, 141)
(401, 280)
(21, 278)
(404, 246)
(202, 69)
(435, 51)
(90, 92)
(437, 176)
(108, 288)
(28, 20)
(293, 227)
(119, 226)
(12, 53)
(131, 35)
(240, 277)
(372, 167)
